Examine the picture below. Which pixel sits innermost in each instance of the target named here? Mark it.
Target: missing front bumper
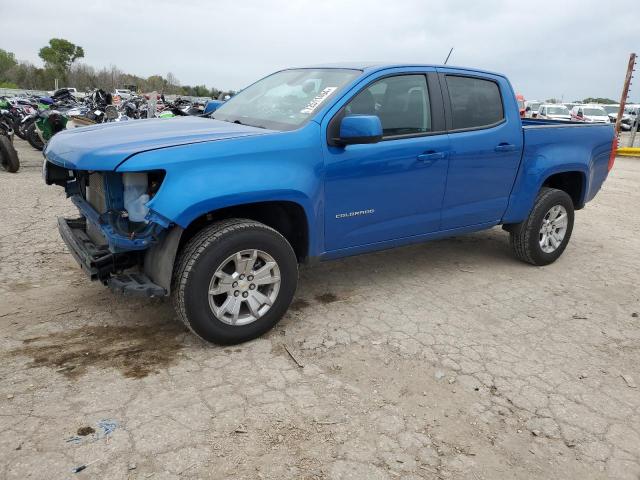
(103, 265)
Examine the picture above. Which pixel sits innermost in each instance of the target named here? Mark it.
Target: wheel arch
(287, 217)
(573, 182)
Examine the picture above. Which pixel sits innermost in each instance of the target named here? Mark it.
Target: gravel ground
(443, 360)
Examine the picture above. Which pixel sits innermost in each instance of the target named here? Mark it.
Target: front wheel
(234, 281)
(543, 236)
(33, 137)
(8, 155)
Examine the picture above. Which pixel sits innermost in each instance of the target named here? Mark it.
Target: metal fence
(10, 92)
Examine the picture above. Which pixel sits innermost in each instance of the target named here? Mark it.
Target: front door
(394, 188)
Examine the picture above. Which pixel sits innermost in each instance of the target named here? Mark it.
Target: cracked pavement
(444, 360)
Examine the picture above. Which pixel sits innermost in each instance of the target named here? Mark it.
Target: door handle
(430, 157)
(505, 147)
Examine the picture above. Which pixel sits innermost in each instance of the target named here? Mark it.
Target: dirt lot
(443, 360)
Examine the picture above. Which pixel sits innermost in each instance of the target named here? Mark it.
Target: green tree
(604, 101)
(7, 62)
(60, 54)
(200, 91)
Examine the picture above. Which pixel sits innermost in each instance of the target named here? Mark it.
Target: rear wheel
(234, 281)
(543, 236)
(33, 137)
(8, 155)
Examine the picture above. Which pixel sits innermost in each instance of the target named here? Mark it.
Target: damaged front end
(116, 230)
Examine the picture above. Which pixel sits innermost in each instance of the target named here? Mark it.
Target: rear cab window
(475, 102)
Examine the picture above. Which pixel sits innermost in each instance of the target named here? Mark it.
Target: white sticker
(318, 99)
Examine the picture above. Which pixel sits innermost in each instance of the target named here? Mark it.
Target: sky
(568, 49)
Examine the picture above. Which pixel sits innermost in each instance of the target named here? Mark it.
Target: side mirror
(528, 109)
(357, 129)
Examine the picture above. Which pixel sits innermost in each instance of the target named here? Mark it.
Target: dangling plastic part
(135, 196)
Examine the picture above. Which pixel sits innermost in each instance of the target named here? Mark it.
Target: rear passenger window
(475, 102)
(401, 103)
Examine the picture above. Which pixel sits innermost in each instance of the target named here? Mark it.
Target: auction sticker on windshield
(318, 99)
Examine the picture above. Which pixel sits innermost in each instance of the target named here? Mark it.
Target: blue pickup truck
(312, 164)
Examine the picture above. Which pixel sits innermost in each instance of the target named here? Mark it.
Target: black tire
(200, 258)
(8, 155)
(21, 131)
(34, 138)
(525, 236)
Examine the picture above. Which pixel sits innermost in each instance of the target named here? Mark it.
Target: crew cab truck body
(314, 164)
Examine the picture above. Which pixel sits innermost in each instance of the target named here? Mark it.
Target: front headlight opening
(135, 195)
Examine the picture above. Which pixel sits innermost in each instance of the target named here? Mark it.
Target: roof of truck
(373, 66)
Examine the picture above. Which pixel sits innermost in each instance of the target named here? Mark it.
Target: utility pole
(625, 90)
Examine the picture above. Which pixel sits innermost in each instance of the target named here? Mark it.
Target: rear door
(485, 138)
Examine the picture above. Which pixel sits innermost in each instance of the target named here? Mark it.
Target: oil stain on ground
(327, 298)
(136, 351)
(298, 304)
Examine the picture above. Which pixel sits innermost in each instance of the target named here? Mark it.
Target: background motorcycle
(8, 155)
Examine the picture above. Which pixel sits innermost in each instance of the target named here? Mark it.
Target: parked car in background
(521, 107)
(631, 117)
(589, 114)
(554, 112)
(314, 164)
(627, 119)
(612, 111)
(123, 93)
(531, 108)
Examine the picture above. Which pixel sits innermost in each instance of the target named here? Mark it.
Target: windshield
(611, 108)
(534, 106)
(285, 100)
(595, 112)
(557, 111)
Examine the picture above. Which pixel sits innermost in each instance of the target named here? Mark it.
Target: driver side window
(401, 103)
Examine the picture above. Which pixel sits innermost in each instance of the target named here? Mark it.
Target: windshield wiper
(236, 121)
(248, 124)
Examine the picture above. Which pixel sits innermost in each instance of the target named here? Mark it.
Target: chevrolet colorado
(315, 164)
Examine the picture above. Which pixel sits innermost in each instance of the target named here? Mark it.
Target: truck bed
(534, 122)
(551, 146)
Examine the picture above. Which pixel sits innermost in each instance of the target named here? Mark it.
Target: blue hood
(104, 147)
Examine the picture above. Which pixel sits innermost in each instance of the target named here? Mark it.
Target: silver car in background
(589, 114)
(551, 111)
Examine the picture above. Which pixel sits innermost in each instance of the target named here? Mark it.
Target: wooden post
(625, 90)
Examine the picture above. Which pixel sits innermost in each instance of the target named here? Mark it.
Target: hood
(597, 118)
(559, 117)
(105, 146)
